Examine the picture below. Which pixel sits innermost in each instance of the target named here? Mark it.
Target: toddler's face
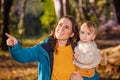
(86, 34)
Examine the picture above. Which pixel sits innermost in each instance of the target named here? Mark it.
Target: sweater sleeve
(24, 55)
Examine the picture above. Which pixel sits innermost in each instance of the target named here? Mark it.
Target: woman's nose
(62, 28)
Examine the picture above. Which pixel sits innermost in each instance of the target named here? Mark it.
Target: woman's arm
(76, 76)
(24, 55)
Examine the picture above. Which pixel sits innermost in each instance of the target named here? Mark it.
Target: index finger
(8, 35)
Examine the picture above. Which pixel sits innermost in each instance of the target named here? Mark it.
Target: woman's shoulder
(48, 39)
(47, 43)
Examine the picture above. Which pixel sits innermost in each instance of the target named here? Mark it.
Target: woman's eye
(66, 27)
(60, 24)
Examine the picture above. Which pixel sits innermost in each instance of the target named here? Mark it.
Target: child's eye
(89, 33)
(82, 32)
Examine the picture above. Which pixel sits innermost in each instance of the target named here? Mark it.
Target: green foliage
(49, 18)
(38, 13)
(44, 11)
(100, 3)
(34, 7)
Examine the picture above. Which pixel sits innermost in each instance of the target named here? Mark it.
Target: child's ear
(93, 37)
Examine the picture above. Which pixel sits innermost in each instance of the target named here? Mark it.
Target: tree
(58, 8)
(21, 17)
(6, 7)
(1, 19)
(62, 7)
(116, 6)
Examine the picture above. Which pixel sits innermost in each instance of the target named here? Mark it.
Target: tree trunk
(57, 5)
(116, 4)
(61, 8)
(6, 6)
(21, 19)
(1, 18)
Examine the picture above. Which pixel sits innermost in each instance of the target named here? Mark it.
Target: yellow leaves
(13, 71)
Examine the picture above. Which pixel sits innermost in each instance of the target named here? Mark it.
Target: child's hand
(76, 76)
(76, 56)
(11, 41)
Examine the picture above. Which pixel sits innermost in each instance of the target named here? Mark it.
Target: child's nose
(85, 35)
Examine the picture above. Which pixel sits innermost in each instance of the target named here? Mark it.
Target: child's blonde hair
(91, 26)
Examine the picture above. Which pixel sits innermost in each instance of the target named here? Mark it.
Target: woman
(54, 55)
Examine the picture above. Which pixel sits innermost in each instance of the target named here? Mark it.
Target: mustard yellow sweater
(63, 63)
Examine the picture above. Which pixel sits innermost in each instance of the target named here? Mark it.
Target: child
(87, 55)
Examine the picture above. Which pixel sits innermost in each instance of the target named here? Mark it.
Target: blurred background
(32, 20)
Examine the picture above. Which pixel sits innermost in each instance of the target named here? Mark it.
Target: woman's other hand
(76, 76)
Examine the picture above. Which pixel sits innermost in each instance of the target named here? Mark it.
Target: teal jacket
(41, 53)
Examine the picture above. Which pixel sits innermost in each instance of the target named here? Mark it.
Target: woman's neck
(61, 42)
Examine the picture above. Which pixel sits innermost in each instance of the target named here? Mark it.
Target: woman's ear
(72, 35)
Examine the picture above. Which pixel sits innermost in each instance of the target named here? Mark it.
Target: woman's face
(63, 30)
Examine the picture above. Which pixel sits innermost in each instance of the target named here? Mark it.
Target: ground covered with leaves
(109, 68)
